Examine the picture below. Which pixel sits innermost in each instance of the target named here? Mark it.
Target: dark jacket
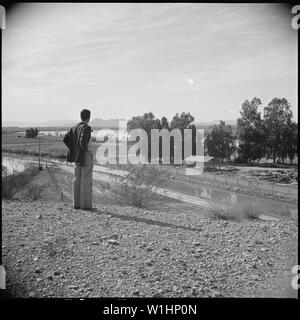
(77, 139)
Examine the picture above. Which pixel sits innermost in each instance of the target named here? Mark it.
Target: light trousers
(83, 183)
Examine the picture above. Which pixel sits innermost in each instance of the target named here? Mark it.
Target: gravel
(129, 252)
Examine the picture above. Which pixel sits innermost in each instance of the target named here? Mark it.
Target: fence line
(244, 182)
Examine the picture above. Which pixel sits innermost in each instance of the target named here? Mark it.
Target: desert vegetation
(138, 187)
(16, 181)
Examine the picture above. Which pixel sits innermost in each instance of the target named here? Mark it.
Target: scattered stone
(227, 268)
(112, 241)
(158, 294)
(196, 243)
(255, 277)
(194, 291)
(149, 263)
(73, 287)
(136, 293)
(216, 294)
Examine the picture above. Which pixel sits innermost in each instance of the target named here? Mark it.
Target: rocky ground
(52, 250)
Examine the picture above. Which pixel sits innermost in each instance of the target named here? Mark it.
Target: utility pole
(40, 167)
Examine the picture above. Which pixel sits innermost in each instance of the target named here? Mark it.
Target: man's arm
(66, 139)
(85, 138)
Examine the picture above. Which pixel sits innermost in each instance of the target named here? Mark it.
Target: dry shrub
(13, 182)
(139, 186)
(239, 212)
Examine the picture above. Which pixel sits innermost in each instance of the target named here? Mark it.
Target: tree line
(273, 135)
(31, 133)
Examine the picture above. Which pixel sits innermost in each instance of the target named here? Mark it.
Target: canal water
(198, 194)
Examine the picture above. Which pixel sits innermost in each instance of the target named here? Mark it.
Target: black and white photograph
(149, 150)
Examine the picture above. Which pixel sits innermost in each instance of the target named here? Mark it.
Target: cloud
(190, 81)
(148, 53)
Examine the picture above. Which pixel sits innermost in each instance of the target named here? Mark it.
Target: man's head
(85, 115)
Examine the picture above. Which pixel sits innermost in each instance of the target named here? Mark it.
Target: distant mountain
(100, 123)
(96, 123)
(50, 123)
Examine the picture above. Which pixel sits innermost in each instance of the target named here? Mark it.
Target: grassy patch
(224, 213)
(246, 211)
(11, 183)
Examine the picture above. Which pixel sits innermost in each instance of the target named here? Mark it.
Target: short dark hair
(85, 114)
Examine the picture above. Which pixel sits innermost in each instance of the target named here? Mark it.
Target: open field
(50, 146)
(258, 181)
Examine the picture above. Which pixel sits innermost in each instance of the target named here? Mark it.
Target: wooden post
(61, 196)
(39, 152)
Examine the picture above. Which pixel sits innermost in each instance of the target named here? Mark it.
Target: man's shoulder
(81, 126)
(86, 127)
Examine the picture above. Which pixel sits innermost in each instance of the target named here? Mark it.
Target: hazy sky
(122, 60)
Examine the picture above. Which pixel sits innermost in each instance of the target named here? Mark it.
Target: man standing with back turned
(78, 141)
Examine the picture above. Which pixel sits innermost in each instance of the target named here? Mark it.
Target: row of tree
(148, 122)
(273, 135)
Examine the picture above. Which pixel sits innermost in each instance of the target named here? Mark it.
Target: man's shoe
(89, 209)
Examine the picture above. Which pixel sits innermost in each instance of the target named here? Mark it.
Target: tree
(31, 133)
(164, 123)
(250, 131)
(220, 141)
(182, 121)
(146, 122)
(290, 141)
(277, 117)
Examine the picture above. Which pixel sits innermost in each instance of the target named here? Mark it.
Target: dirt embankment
(52, 250)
